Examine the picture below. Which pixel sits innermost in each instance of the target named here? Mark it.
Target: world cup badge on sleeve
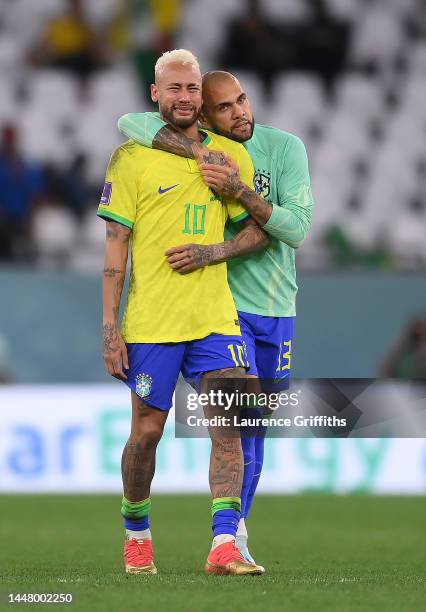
(106, 194)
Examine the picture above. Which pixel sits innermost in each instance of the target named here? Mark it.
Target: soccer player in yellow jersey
(173, 322)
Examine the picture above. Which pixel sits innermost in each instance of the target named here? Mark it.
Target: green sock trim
(226, 503)
(135, 510)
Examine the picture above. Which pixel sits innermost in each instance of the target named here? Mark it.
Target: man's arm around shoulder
(149, 130)
(189, 257)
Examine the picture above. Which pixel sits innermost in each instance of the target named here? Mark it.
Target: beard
(180, 122)
(235, 135)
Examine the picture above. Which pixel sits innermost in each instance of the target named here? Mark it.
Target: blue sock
(226, 512)
(226, 521)
(248, 445)
(139, 525)
(259, 446)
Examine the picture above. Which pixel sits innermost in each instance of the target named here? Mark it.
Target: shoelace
(138, 552)
(228, 552)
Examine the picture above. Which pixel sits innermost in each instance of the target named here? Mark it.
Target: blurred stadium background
(349, 77)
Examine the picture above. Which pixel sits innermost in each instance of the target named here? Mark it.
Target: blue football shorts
(154, 368)
(268, 343)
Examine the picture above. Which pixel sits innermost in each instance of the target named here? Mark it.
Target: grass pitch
(321, 553)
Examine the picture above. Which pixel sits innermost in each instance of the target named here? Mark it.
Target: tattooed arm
(149, 130)
(287, 220)
(288, 223)
(189, 257)
(225, 180)
(116, 252)
(170, 140)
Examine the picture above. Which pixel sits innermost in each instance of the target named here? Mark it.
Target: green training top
(262, 283)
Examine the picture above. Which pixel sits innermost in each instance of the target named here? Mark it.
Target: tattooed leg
(138, 460)
(226, 459)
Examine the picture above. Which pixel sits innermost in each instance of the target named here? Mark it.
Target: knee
(227, 381)
(149, 437)
(226, 448)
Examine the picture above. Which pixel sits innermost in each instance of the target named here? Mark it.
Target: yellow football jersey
(164, 200)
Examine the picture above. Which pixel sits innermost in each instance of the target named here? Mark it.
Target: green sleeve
(291, 217)
(141, 127)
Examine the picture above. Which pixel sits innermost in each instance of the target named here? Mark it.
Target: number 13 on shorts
(284, 356)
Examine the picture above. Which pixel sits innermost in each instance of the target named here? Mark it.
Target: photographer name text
(236, 421)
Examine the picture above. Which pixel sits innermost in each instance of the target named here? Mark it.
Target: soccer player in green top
(263, 284)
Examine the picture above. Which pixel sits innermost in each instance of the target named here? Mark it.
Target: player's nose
(184, 96)
(238, 112)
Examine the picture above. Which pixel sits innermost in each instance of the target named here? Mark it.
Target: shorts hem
(195, 381)
(146, 400)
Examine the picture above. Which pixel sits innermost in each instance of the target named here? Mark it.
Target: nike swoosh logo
(280, 379)
(160, 190)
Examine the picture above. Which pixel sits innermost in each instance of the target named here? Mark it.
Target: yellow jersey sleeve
(236, 212)
(120, 192)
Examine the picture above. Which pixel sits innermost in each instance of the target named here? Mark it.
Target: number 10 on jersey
(195, 217)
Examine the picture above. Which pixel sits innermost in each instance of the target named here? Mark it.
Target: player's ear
(154, 93)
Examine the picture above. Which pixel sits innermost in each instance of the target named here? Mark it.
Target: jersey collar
(206, 138)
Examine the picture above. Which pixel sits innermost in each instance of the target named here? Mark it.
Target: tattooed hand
(224, 180)
(204, 155)
(114, 351)
(189, 257)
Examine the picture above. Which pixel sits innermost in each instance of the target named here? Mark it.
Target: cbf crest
(143, 384)
(262, 183)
